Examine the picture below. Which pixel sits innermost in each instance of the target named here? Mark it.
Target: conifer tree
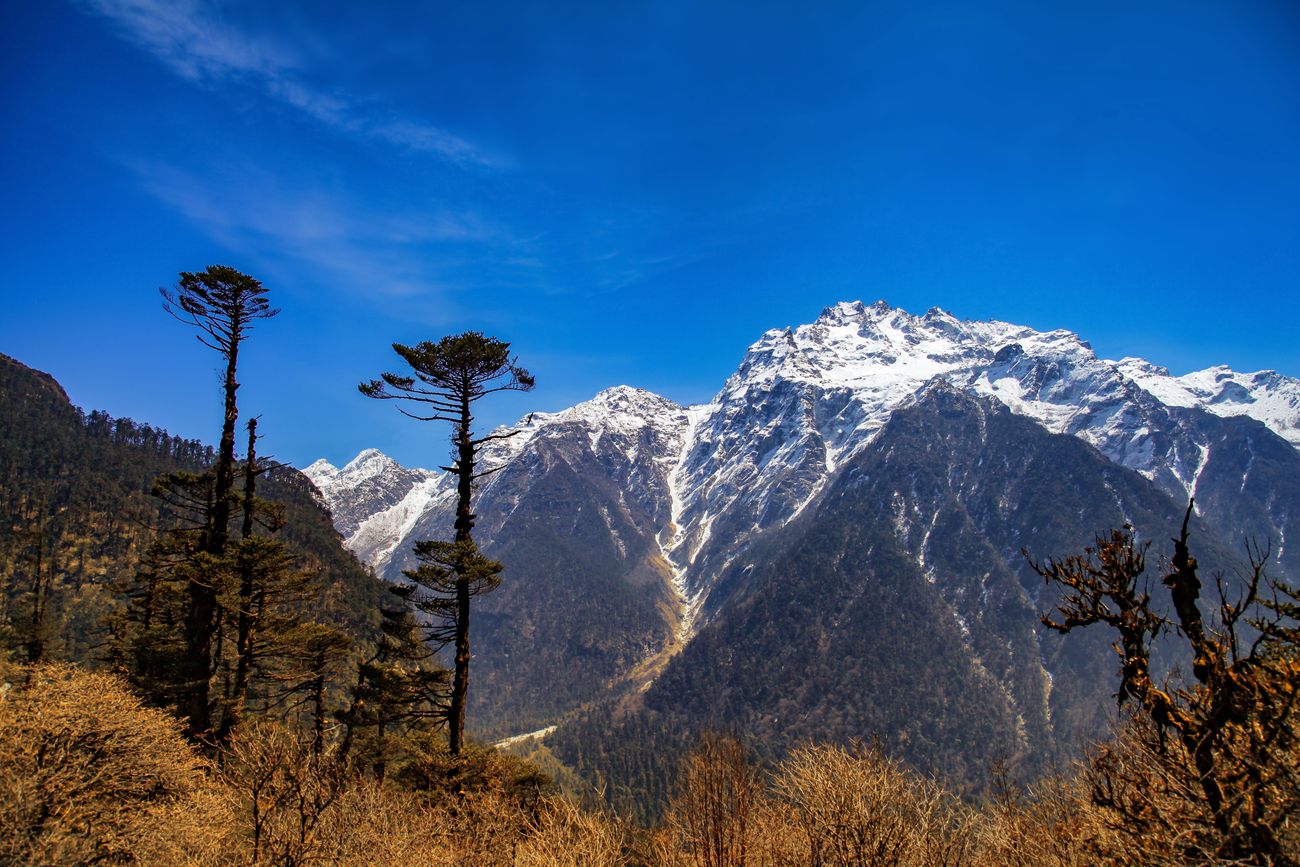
(265, 597)
(398, 690)
(223, 305)
(447, 378)
(267, 656)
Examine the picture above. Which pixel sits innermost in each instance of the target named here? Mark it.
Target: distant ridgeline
(76, 514)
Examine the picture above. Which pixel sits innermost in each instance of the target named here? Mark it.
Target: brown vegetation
(1201, 772)
(93, 776)
(1206, 770)
(85, 769)
(90, 775)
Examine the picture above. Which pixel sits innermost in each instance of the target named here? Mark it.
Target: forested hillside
(902, 610)
(76, 515)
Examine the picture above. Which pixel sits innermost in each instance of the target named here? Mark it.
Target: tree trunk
(245, 622)
(464, 533)
(200, 620)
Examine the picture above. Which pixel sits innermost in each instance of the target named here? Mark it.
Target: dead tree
(1229, 737)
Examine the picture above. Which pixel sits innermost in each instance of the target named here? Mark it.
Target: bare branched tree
(1220, 766)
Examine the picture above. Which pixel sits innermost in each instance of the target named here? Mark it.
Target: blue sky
(631, 193)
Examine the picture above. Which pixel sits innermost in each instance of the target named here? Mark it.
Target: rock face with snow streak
(897, 606)
(668, 500)
(376, 502)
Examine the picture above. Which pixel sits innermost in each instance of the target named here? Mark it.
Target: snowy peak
(804, 399)
(860, 346)
(621, 416)
(1265, 395)
(624, 410)
(802, 402)
(368, 464)
(375, 501)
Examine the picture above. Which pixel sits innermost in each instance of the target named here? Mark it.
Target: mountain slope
(804, 399)
(75, 503)
(631, 527)
(899, 608)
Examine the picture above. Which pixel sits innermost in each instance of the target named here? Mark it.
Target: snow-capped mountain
(376, 502)
(801, 402)
(651, 549)
(1265, 396)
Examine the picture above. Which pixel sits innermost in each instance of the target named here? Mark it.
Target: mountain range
(831, 546)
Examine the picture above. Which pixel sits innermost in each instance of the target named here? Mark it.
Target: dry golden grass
(92, 776)
(89, 775)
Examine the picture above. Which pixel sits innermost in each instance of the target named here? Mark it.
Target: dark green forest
(78, 515)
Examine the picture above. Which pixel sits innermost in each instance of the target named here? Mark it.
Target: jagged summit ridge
(1265, 395)
(804, 399)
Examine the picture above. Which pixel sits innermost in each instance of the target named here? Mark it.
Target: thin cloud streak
(376, 253)
(192, 40)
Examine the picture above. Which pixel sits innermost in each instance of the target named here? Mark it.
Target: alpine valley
(831, 548)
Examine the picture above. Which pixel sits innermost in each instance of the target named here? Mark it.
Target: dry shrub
(1148, 805)
(564, 834)
(708, 819)
(1052, 825)
(426, 765)
(203, 830)
(282, 789)
(88, 772)
(857, 806)
(777, 839)
(375, 824)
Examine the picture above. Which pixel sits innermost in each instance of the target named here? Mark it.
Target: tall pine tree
(447, 378)
(222, 305)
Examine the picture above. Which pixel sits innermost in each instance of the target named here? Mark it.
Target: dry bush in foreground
(90, 776)
(88, 771)
(563, 833)
(857, 806)
(283, 789)
(1148, 807)
(826, 805)
(1052, 825)
(709, 818)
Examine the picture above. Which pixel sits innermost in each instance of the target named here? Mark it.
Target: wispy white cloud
(198, 43)
(359, 249)
(190, 37)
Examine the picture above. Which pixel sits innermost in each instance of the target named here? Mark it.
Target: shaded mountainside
(830, 547)
(584, 595)
(75, 511)
(586, 600)
(900, 609)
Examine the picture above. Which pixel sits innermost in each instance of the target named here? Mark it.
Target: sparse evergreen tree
(223, 305)
(266, 596)
(266, 655)
(150, 643)
(447, 378)
(398, 690)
